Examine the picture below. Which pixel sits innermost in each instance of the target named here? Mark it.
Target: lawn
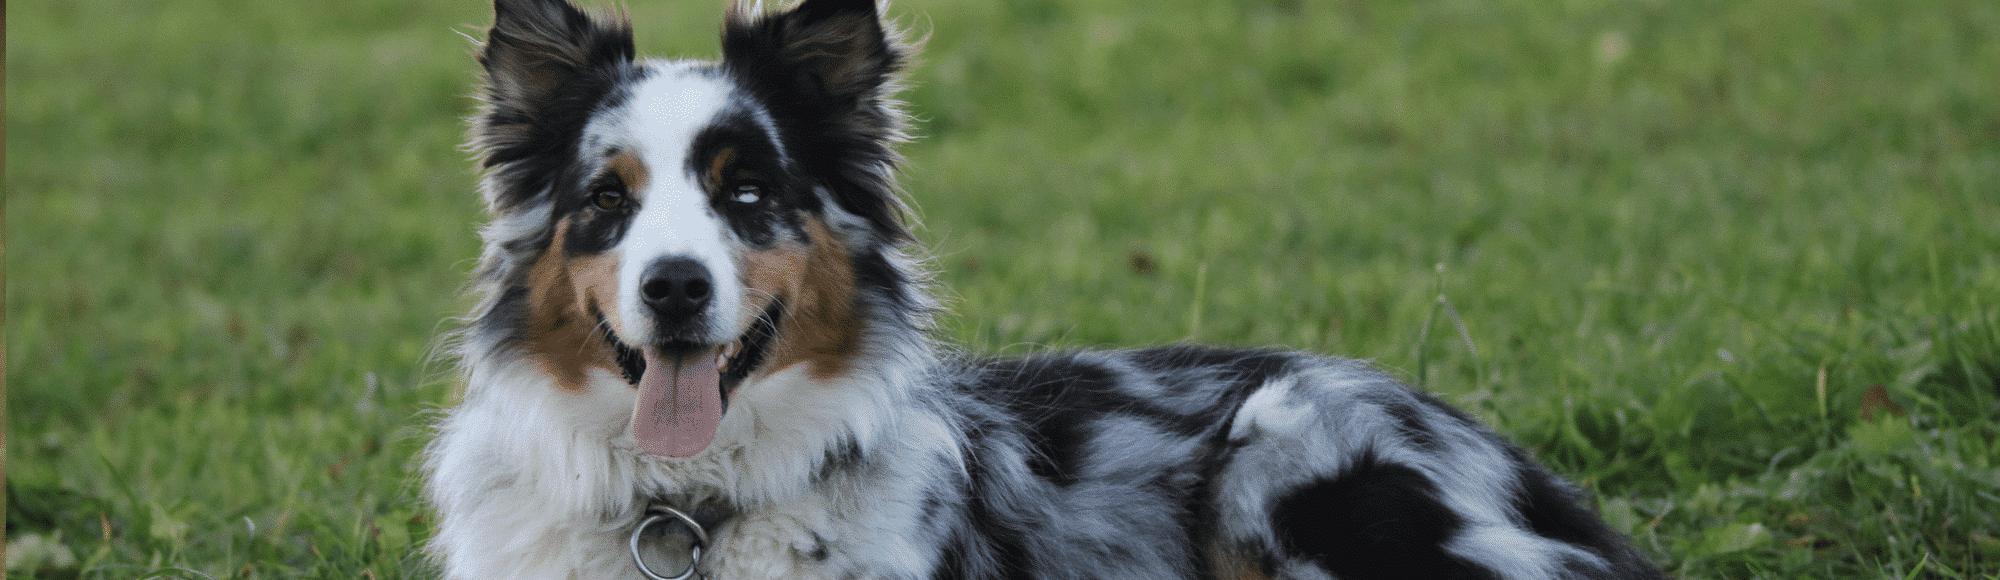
(1732, 265)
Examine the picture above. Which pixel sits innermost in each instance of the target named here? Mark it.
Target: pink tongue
(680, 404)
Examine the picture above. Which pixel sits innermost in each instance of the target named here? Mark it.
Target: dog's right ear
(537, 47)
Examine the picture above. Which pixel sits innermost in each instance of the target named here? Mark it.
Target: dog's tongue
(680, 404)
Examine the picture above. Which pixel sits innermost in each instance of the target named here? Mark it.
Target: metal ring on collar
(658, 514)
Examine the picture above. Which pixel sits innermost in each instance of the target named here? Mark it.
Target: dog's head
(687, 226)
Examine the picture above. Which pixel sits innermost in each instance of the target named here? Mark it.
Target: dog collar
(666, 517)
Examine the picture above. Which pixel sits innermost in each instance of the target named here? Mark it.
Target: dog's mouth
(684, 386)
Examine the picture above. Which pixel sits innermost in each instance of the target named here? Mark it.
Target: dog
(703, 343)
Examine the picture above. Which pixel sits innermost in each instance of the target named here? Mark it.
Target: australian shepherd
(703, 347)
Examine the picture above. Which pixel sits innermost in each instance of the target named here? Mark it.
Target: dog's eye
(747, 192)
(608, 197)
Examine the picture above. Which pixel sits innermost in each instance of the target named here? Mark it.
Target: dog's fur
(651, 214)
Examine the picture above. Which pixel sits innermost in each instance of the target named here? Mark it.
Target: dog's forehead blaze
(562, 292)
(815, 277)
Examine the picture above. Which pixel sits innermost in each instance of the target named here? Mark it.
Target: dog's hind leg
(1337, 471)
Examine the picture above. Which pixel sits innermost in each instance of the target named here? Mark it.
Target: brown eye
(747, 192)
(608, 198)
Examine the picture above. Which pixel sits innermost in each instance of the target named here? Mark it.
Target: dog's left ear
(828, 70)
(827, 55)
(537, 47)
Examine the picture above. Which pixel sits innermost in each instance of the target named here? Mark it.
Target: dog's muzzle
(677, 291)
(683, 373)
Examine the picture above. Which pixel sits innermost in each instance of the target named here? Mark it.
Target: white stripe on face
(658, 125)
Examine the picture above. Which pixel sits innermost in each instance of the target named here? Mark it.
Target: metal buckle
(657, 514)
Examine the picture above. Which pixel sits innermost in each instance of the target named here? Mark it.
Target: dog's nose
(676, 288)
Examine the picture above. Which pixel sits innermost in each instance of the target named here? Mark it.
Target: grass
(1681, 250)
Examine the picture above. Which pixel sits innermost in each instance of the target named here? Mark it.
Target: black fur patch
(876, 276)
(754, 159)
(509, 317)
(1555, 509)
(1057, 400)
(1247, 367)
(991, 545)
(1374, 520)
(1208, 384)
(1410, 421)
(1062, 401)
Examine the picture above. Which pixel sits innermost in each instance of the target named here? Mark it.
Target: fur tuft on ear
(828, 54)
(829, 69)
(537, 46)
(546, 61)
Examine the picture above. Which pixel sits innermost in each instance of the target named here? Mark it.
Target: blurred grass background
(1733, 265)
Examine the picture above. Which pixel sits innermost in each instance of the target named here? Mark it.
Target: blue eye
(747, 192)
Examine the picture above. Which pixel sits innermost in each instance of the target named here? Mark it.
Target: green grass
(1672, 247)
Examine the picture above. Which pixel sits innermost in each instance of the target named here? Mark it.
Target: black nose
(676, 289)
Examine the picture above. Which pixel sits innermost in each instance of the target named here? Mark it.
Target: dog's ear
(545, 62)
(828, 70)
(537, 47)
(830, 55)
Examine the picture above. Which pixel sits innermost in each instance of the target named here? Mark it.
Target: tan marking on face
(1232, 564)
(562, 334)
(719, 163)
(816, 280)
(631, 169)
